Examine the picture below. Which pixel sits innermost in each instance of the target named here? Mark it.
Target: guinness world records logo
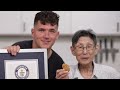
(22, 72)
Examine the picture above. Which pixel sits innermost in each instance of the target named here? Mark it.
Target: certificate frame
(39, 54)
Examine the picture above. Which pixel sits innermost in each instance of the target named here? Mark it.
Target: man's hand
(13, 50)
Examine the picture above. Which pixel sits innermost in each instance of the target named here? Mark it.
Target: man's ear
(97, 50)
(72, 50)
(58, 34)
(32, 32)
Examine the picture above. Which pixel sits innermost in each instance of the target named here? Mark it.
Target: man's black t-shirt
(54, 62)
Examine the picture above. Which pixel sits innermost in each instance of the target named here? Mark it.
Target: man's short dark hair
(87, 33)
(47, 17)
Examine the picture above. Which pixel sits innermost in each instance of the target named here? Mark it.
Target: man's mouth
(46, 42)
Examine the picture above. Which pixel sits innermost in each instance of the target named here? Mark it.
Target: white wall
(62, 46)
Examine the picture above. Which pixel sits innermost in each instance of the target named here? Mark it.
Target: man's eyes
(89, 46)
(41, 30)
(52, 30)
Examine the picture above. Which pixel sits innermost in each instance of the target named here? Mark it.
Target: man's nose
(46, 34)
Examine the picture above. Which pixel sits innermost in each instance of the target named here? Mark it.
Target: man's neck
(49, 52)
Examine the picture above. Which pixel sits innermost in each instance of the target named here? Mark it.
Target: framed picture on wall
(27, 64)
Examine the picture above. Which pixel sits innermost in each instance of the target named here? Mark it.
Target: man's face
(84, 50)
(44, 36)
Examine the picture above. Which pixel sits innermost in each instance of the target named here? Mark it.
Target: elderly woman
(84, 48)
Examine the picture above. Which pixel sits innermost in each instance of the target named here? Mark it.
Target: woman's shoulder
(105, 67)
(110, 71)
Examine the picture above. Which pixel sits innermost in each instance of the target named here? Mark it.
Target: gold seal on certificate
(22, 72)
(21, 69)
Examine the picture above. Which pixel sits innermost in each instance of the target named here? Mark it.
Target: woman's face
(84, 50)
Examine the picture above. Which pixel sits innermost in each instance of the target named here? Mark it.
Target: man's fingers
(13, 50)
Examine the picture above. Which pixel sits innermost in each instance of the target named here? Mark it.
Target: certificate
(27, 64)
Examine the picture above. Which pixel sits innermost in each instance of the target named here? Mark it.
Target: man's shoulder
(24, 44)
(25, 41)
(56, 56)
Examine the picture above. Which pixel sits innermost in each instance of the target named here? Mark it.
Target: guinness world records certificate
(27, 64)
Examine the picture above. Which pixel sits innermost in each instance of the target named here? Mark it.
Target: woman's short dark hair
(87, 33)
(47, 17)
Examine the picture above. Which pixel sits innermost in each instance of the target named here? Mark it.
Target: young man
(84, 48)
(44, 33)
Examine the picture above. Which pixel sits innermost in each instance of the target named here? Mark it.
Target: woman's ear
(72, 50)
(97, 50)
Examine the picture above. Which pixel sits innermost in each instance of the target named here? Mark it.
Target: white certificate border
(34, 50)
